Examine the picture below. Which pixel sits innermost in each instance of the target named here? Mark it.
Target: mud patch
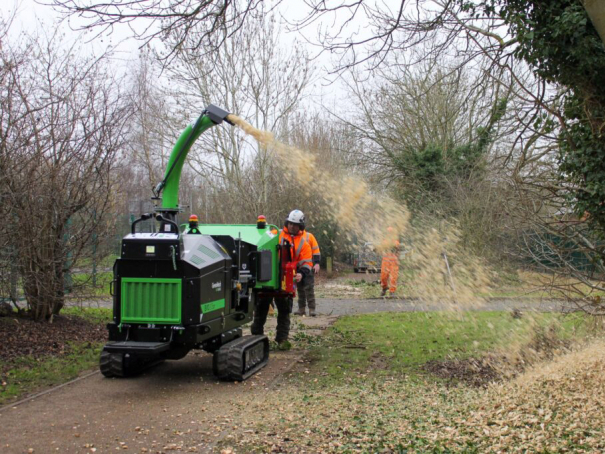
(478, 373)
(379, 361)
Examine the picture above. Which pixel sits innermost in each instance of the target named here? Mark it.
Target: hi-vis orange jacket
(303, 254)
(314, 247)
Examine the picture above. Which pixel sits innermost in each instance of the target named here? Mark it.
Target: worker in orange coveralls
(389, 268)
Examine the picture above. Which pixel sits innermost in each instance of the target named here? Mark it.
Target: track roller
(241, 358)
(112, 364)
(124, 364)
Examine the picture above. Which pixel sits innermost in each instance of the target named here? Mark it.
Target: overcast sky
(327, 91)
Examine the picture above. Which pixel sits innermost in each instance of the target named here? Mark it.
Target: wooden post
(329, 266)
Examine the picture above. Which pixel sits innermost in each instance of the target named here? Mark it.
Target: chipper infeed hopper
(175, 291)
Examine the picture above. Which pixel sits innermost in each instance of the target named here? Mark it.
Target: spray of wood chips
(443, 274)
(446, 276)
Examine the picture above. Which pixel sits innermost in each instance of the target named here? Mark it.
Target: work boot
(392, 295)
(284, 345)
(384, 292)
(300, 312)
(312, 314)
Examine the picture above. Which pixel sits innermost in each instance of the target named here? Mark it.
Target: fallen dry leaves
(554, 407)
(21, 336)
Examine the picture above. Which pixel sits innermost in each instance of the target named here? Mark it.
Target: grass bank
(365, 387)
(50, 356)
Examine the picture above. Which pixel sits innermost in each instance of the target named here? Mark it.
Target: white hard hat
(297, 217)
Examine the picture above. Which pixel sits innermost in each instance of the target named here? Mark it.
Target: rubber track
(111, 364)
(229, 359)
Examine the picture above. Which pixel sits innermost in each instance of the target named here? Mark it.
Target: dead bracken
(554, 407)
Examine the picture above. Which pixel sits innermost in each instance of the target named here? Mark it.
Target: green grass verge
(400, 343)
(533, 284)
(26, 374)
(105, 262)
(100, 315)
(83, 284)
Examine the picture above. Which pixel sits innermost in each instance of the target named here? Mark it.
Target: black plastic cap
(216, 114)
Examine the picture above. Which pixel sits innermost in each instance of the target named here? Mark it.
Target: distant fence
(553, 251)
(97, 258)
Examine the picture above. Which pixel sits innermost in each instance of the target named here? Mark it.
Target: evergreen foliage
(558, 40)
(432, 166)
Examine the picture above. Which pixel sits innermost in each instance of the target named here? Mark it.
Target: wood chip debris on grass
(557, 407)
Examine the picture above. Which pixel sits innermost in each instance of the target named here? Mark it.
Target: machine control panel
(151, 246)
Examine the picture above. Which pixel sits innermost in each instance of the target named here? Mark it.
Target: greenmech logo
(212, 306)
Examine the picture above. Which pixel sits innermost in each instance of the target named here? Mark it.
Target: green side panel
(170, 194)
(264, 239)
(270, 242)
(149, 300)
(213, 306)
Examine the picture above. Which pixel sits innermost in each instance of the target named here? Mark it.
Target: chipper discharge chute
(174, 291)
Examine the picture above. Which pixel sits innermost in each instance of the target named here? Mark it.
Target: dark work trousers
(306, 293)
(261, 309)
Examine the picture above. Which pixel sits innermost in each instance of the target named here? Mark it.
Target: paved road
(331, 306)
(362, 306)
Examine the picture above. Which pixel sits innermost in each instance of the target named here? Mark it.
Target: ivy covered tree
(560, 43)
(435, 164)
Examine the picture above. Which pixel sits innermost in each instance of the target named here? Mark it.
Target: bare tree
(212, 22)
(62, 123)
(336, 147)
(8, 270)
(151, 136)
(253, 75)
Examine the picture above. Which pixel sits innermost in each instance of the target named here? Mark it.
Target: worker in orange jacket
(306, 289)
(389, 268)
(303, 256)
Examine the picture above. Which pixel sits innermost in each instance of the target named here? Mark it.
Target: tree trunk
(596, 12)
(44, 293)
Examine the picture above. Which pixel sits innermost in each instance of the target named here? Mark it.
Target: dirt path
(176, 407)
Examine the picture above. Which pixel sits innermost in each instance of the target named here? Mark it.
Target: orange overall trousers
(389, 271)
